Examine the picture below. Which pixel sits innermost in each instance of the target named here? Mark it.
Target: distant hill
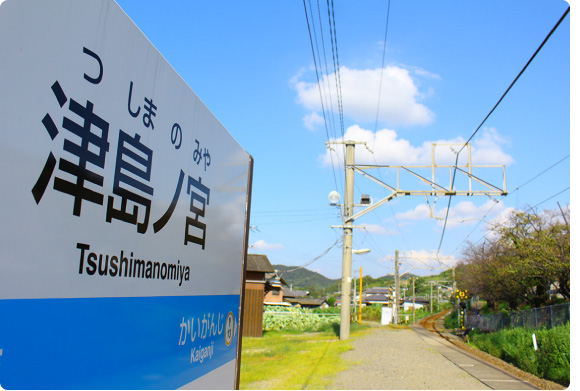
(404, 277)
(319, 285)
(303, 278)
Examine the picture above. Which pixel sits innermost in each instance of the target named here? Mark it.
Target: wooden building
(256, 289)
(274, 290)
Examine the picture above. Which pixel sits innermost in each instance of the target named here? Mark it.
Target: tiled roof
(375, 298)
(259, 263)
(289, 293)
(376, 290)
(271, 277)
(305, 301)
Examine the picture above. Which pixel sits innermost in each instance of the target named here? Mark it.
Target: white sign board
(386, 315)
(123, 209)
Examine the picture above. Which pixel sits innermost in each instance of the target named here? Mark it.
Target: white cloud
(377, 229)
(428, 259)
(312, 121)
(466, 212)
(463, 213)
(399, 99)
(421, 212)
(487, 148)
(388, 148)
(426, 74)
(422, 259)
(262, 245)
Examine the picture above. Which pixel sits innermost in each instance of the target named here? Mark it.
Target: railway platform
(421, 358)
(487, 373)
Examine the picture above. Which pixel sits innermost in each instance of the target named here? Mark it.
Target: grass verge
(293, 359)
(551, 361)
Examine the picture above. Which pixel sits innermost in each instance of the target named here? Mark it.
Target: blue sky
(446, 64)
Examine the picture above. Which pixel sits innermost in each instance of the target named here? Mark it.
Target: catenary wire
(377, 118)
(526, 210)
(549, 198)
(510, 193)
(547, 169)
(382, 66)
(491, 111)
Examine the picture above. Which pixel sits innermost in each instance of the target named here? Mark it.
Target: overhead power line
(377, 119)
(293, 212)
(510, 193)
(312, 260)
(492, 110)
(382, 67)
(332, 25)
(528, 209)
(323, 79)
(549, 198)
(547, 169)
(329, 96)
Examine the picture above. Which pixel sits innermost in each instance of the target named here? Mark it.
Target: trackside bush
(551, 361)
(292, 318)
(451, 321)
(373, 312)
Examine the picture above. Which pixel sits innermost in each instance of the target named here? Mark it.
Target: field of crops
(285, 318)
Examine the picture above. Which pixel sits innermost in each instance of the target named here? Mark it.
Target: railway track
(430, 322)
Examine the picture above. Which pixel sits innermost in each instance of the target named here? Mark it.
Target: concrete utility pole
(360, 298)
(347, 242)
(454, 282)
(431, 297)
(353, 298)
(414, 300)
(397, 287)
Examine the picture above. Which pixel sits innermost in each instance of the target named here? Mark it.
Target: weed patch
(293, 360)
(551, 361)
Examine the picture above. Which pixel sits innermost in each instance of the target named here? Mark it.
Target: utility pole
(360, 298)
(354, 295)
(431, 297)
(397, 286)
(347, 242)
(454, 283)
(414, 300)
(454, 292)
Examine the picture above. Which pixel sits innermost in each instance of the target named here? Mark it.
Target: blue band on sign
(115, 343)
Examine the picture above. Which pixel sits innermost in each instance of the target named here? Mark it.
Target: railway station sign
(123, 210)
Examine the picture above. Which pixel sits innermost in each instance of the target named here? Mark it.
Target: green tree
(521, 261)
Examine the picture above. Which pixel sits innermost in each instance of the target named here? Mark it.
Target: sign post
(125, 208)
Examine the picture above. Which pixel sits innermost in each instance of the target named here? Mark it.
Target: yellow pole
(360, 299)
